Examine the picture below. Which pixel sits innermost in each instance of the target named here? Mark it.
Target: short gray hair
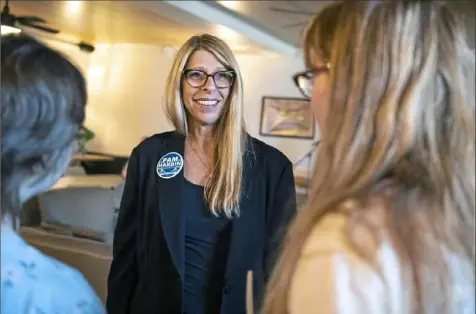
(42, 108)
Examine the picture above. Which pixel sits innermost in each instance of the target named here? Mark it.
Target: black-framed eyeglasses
(305, 80)
(198, 78)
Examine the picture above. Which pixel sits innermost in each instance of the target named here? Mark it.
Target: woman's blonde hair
(223, 189)
(401, 112)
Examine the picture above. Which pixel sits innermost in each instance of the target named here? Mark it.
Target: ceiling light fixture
(12, 21)
(232, 5)
(7, 29)
(73, 7)
(226, 33)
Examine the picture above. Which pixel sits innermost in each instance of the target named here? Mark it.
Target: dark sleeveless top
(206, 249)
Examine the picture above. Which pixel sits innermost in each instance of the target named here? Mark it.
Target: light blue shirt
(35, 283)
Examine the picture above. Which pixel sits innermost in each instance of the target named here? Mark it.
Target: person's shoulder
(164, 136)
(267, 152)
(71, 292)
(328, 235)
(32, 280)
(158, 140)
(344, 277)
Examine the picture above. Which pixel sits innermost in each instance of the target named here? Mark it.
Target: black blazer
(147, 269)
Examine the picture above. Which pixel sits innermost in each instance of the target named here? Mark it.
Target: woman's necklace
(198, 155)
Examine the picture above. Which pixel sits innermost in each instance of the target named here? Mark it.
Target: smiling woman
(204, 204)
(203, 97)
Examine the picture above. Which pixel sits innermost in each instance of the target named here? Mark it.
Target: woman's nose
(209, 84)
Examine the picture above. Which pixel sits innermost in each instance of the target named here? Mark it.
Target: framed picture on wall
(286, 117)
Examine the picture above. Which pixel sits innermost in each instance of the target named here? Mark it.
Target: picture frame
(286, 117)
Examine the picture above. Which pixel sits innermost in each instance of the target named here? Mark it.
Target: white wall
(126, 84)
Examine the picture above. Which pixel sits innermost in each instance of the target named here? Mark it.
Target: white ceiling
(286, 25)
(289, 26)
(247, 26)
(144, 22)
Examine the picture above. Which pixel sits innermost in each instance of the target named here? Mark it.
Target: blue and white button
(169, 165)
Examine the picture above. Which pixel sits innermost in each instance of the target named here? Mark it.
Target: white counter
(108, 181)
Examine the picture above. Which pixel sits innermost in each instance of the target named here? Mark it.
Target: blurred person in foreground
(389, 224)
(43, 101)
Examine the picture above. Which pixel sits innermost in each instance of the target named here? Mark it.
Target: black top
(147, 272)
(206, 249)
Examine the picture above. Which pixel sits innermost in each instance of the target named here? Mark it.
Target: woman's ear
(46, 172)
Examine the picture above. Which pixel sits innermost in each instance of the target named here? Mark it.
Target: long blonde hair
(223, 189)
(401, 111)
